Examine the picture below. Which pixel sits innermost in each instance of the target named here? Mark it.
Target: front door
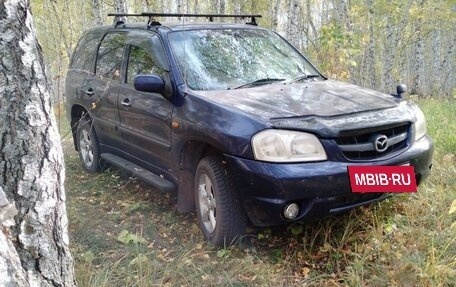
(145, 118)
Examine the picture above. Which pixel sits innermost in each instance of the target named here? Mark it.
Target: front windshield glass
(220, 59)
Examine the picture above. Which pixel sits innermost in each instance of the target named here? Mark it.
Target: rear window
(85, 52)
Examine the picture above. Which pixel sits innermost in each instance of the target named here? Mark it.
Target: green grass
(407, 240)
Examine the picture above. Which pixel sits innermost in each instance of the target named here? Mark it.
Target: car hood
(320, 98)
(323, 107)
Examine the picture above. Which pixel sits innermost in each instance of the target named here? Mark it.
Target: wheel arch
(191, 153)
(77, 112)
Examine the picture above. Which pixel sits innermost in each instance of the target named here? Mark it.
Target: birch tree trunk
(96, 13)
(434, 77)
(389, 55)
(121, 8)
(33, 224)
(369, 61)
(419, 62)
(221, 8)
(449, 66)
(293, 35)
(275, 14)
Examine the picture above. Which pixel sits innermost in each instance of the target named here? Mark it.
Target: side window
(109, 57)
(140, 62)
(85, 53)
(146, 55)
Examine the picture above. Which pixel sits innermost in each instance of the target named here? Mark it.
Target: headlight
(420, 124)
(287, 146)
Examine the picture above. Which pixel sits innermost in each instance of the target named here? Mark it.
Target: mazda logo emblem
(381, 143)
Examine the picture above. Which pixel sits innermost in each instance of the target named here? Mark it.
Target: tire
(221, 216)
(88, 148)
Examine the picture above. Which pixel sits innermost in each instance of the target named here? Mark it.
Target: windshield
(220, 59)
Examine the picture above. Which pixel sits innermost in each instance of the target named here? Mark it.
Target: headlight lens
(420, 124)
(287, 146)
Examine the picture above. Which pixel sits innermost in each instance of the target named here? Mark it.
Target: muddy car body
(235, 120)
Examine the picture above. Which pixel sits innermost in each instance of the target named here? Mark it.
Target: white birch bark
(389, 47)
(418, 67)
(393, 47)
(449, 65)
(121, 7)
(195, 7)
(275, 14)
(345, 22)
(221, 8)
(369, 62)
(31, 163)
(292, 32)
(96, 13)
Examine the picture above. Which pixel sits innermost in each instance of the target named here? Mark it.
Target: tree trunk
(449, 66)
(275, 14)
(434, 77)
(369, 62)
(293, 34)
(121, 8)
(32, 198)
(96, 13)
(418, 71)
(389, 54)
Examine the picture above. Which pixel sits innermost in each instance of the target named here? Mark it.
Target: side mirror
(149, 83)
(401, 90)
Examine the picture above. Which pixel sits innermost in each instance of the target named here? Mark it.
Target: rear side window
(109, 57)
(85, 53)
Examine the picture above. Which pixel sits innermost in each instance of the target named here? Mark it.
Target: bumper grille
(373, 143)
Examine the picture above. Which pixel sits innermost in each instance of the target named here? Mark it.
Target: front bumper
(319, 188)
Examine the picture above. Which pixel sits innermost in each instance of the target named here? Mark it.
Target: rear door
(101, 89)
(145, 118)
(82, 64)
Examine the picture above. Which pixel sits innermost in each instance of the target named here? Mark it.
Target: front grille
(361, 144)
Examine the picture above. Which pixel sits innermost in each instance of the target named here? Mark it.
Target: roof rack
(153, 22)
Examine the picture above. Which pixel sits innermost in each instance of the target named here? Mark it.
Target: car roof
(173, 26)
(179, 26)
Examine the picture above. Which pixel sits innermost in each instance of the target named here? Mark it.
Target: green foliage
(336, 50)
(126, 237)
(223, 253)
(297, 229)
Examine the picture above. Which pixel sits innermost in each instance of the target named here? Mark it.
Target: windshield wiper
(259, 82)
(300, 78)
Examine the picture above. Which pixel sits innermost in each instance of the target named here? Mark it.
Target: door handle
(126, 102)
(89, 92)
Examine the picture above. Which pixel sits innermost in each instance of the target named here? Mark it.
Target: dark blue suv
(235, 120)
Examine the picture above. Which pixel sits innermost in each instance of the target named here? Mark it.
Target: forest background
(122, 234)
(372, 43)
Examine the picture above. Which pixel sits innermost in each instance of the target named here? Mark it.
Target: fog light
(291, 211)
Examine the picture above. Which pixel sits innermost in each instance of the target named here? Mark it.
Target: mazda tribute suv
(235, 120)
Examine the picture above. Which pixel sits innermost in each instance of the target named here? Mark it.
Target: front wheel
(88, 148)
(221, 216)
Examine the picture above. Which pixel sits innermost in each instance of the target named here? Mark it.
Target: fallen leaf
(452, 207)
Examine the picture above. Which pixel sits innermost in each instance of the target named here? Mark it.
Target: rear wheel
(88, 148)
(220, 213)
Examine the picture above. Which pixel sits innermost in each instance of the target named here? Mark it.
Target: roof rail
(153, 22)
